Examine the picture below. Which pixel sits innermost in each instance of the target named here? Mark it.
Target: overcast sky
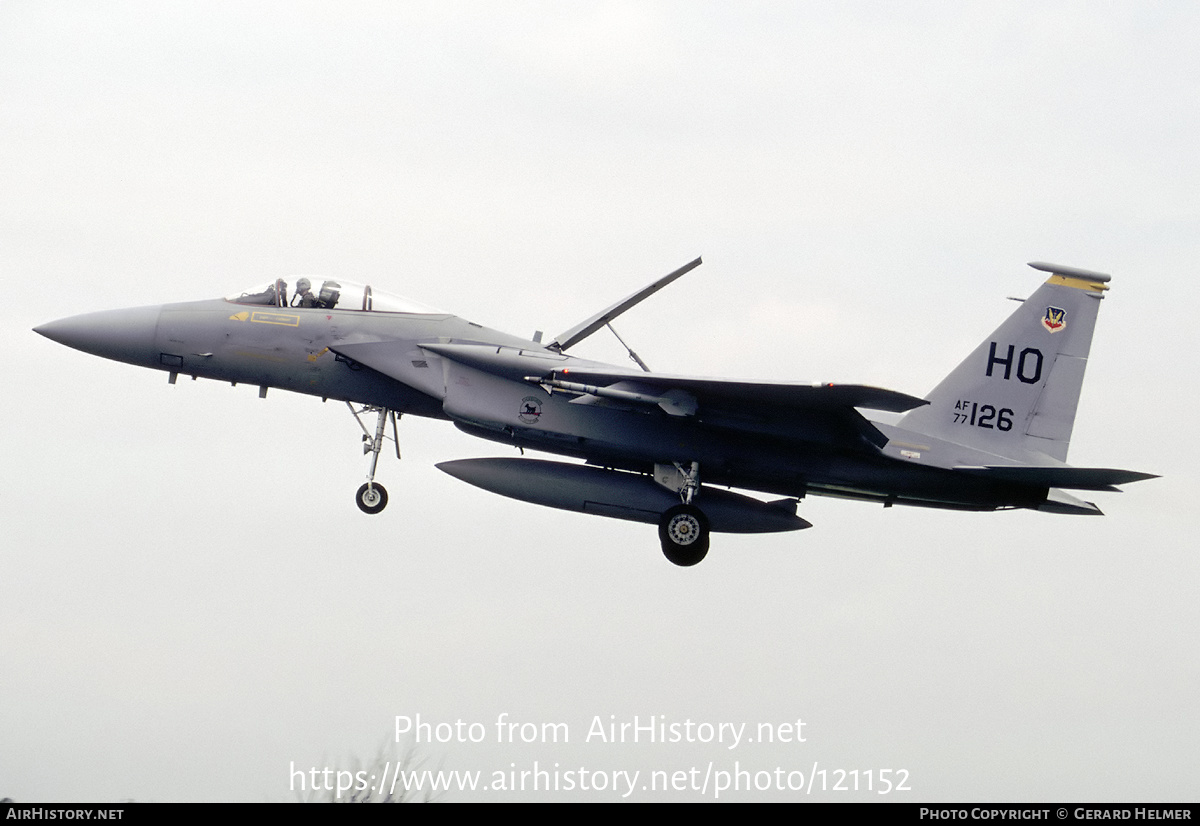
(191, 603)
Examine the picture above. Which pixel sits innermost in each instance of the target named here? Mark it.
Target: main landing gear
(372, 497)
(683, 529)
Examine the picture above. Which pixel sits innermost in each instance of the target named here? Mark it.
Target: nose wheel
(372, 497)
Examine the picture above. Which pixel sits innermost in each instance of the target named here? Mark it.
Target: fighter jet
(649, 447)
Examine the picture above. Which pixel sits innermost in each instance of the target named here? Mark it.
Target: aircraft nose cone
(123, 335)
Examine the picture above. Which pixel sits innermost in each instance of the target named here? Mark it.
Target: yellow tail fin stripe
(1077, 283)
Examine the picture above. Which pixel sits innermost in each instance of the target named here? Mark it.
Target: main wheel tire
(683, 531)
(371, 498)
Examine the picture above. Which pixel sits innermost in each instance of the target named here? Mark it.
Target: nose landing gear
(372, 497)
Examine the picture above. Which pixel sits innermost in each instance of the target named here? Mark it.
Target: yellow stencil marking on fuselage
(242, 316)
(286, 319)
(315, 356)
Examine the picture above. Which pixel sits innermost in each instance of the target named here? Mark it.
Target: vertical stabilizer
(1019, 389)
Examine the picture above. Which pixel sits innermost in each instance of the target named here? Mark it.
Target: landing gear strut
(372, 497)
(683, 529)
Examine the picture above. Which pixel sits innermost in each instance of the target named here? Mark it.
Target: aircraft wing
(744, 395)
(814, 412)
(826, 412)
(558, 372)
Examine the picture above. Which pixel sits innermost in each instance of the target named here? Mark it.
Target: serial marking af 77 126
(655, 448)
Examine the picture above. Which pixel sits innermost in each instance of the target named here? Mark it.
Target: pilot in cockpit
(304, 295)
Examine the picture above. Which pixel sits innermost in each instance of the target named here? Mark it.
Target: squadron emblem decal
(531, 410)
(1055, 320)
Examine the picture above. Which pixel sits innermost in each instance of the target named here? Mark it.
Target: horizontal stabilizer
(1077, 478)
(1059, 501)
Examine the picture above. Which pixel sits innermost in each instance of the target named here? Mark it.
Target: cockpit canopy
(328, 294)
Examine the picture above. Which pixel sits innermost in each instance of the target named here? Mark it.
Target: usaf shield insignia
(1055, 320)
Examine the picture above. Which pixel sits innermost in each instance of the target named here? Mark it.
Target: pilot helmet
(303, 285)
